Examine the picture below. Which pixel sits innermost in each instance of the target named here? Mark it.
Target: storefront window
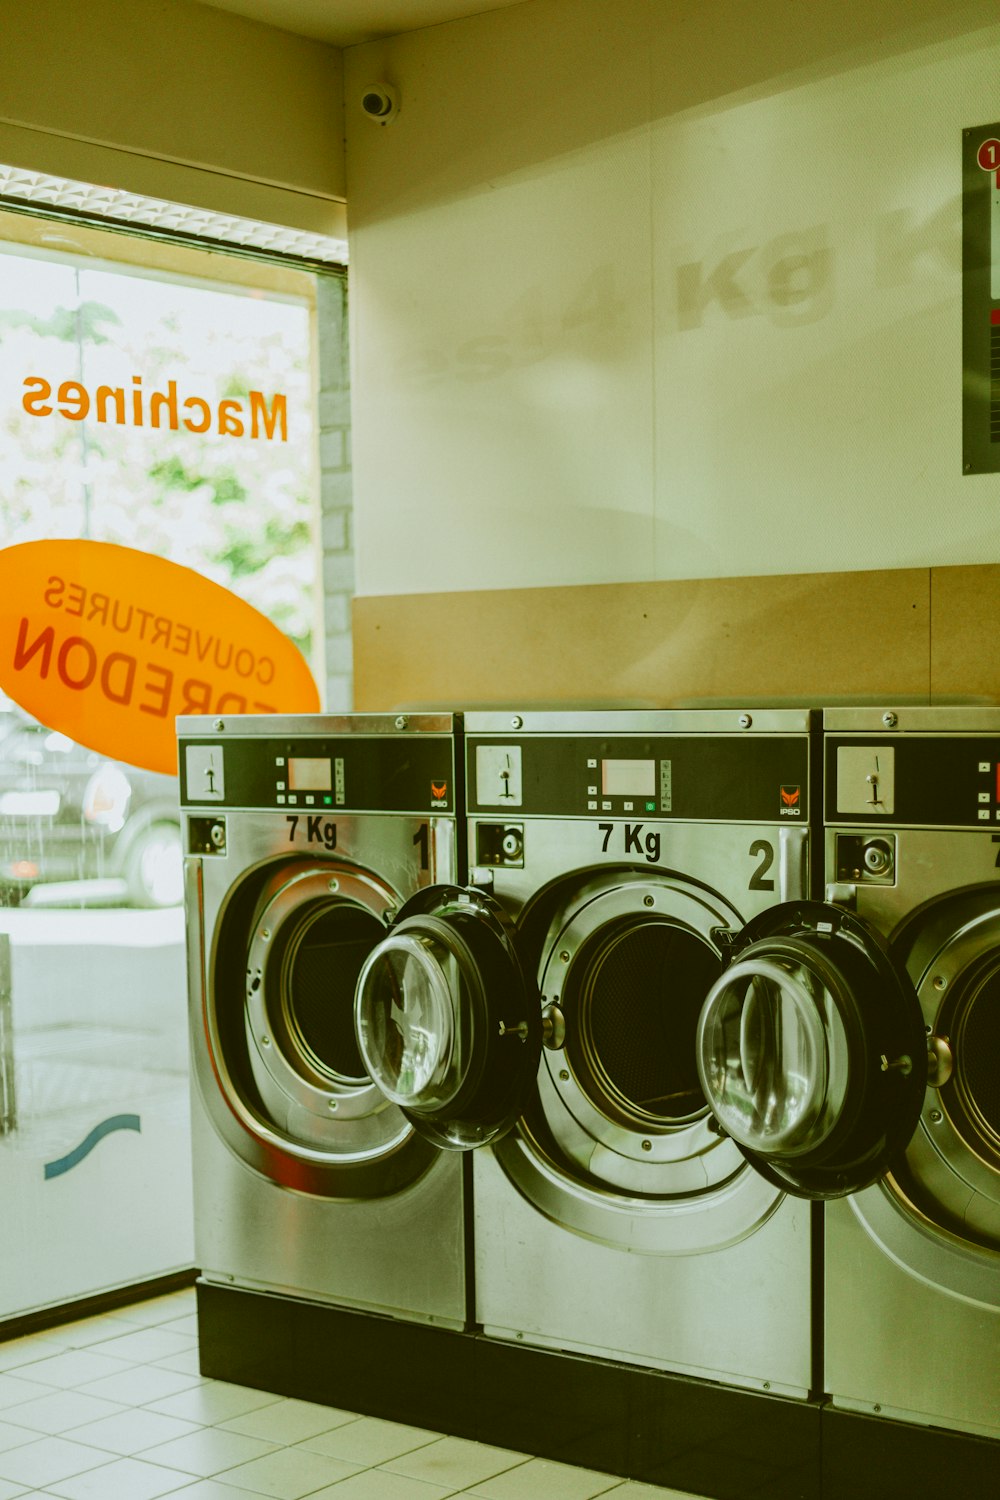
(162, 398)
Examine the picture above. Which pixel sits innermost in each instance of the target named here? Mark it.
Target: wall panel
(818, 636)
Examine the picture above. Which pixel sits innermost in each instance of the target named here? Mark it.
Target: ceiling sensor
(380, 103)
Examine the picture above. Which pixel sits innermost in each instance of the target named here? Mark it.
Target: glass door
(812, 1052)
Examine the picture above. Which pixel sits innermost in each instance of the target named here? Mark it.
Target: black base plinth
(870, 1458)
(620, 1419)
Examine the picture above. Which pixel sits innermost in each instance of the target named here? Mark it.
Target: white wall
(650, 289)
(175, 100)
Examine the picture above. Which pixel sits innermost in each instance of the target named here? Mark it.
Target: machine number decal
(765, 851)
(636, 842)
(420, 841)
(318, 830)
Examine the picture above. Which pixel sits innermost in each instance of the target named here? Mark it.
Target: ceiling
(346, 23)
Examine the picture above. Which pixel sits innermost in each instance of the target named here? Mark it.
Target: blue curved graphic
(75, 1157)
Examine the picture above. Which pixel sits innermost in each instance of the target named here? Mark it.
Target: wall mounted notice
(109, 645)
(981, 299)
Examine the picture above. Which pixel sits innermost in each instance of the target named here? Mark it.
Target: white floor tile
(541, 1479)
(185, 1364)
(283, 1421)
(133, 1430)
(215, 1401)
(14, 1390)
(455, 1462)
(59, 1411)
(145, 1345)
(371, 1441)
(207, 1452)
(213, 1489)
(71, 1368)
(159, 1309)
(380, 1484)
(14, 1435)
(142, 1385)
(289, 1473)
(47, 1460)
(89, 1331)
(10, 1491)
(123, 1479)
(187, 1324)
(19, 1352)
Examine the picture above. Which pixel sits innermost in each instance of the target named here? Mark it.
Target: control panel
(357, 773)
(920, 781)
(724, 778)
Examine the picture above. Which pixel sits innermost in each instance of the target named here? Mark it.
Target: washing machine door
(446, 1024)
(812, 1052)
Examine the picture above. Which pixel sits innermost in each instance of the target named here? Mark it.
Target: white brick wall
(336, 500)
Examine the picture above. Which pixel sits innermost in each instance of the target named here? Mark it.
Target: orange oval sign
(109, 645)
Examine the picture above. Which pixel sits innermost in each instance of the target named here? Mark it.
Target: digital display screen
(628, 778)
(309, 775)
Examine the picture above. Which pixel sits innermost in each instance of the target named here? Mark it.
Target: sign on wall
(109, 645)
(981, 299)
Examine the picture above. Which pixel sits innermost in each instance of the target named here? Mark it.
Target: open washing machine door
(446, 1026)
(812, 1050)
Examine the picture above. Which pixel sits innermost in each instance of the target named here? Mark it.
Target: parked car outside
(78, 829)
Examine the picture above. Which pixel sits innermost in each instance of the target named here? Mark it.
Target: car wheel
(154, 869)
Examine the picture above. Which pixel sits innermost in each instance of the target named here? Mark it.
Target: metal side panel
(899, 1347)
(739, 1315)
(403, 1255)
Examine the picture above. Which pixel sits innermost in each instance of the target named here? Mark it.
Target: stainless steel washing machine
(545, 1018)
(875, 1018)
(304, 835)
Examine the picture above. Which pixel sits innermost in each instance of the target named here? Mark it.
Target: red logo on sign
(790, 795)
(988, 156)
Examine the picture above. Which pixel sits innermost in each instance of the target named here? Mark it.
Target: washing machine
(543, 1019)
(876, 1017)
(303, 837)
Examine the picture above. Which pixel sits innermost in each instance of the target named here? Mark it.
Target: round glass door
(446, 1026)
(811, 1051)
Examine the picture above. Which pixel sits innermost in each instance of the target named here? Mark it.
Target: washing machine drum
(812, 1052)
(296, 1075)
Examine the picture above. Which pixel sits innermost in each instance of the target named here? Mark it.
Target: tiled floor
(113, 1408)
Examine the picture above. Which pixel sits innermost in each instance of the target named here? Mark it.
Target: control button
(293, 799)
(984, 765)
(628, 806)
(591, 791)
(279, 760)
(280, 797)
(591, 806)
(984, 813)
(327, 801)
(310, 801)
(280, 785)
(592, 765)
(984, 796)
(606, 806)
(651, 807)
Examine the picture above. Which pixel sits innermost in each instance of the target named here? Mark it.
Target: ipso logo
(791, 802)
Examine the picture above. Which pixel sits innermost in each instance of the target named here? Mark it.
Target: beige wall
(665, 289)
(906, 634)
(175, 100)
